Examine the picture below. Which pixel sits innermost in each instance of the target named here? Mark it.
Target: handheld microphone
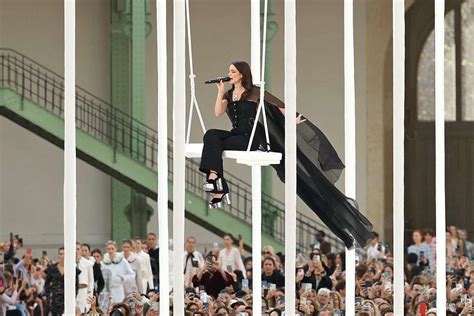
(217, 80)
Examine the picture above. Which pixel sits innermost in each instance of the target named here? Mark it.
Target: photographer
(212, 277)
(315, 274)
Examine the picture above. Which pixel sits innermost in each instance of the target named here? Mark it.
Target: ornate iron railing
(134, 139)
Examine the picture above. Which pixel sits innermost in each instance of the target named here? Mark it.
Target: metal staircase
(33, 96)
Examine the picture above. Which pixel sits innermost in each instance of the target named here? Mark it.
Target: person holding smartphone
(212, 277)
(315, 273)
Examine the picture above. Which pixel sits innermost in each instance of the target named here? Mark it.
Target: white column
(162, 160)
(440, 163)
(398, 9)
(255, 39)
(349, 141)
(290, 155)
(179, 119)
(257, 237)
(70, 157)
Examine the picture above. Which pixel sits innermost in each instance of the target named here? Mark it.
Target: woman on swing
(318, 165)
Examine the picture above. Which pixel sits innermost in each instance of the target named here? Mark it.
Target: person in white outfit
(136, 262)
(193, 260)
(147, 273)
(85, 280)
(118, 272)
(229, 257)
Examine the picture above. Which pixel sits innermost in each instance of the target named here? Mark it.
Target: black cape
(318, 168)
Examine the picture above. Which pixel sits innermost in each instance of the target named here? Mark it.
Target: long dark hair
(247, 82)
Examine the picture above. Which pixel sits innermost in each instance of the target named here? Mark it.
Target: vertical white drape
(349, 140)
(440, 158)
(398, 28)
(255, 39)
(179, 113)
(162, 160)
(290, 154)
(70, 156)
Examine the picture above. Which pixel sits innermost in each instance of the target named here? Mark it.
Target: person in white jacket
(85, 280)
(147, 273)
(136, 262)
(117, 272)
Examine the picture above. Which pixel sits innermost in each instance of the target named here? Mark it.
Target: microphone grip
(223, 79)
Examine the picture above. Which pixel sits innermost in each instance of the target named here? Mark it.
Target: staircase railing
(136, 140)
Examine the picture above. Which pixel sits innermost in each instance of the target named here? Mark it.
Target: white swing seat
(250, 158)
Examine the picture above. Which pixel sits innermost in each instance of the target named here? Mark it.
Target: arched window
(459, 68)
(420, 114)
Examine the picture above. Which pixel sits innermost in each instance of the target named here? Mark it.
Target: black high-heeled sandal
(220, 202)
(216, 185)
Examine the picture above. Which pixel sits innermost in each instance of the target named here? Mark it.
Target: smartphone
(209, 258)
(154, 306)
(464, 298)
(303, 301)
(203, 297)
(306, 286)
(229, 268)
(2, 257)
(245, 284)
(386, 275)
(20, 275)
(358, 300)
(282, 300)
(272, 286)
(368, 284)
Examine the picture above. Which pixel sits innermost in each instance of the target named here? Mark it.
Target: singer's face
(234, 75)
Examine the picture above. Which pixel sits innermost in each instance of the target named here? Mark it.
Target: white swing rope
(261, 102)
(398, 29)
(192, 83)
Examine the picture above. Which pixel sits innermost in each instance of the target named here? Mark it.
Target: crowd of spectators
(219, 281)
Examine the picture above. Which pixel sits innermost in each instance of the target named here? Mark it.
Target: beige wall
(221, 34)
